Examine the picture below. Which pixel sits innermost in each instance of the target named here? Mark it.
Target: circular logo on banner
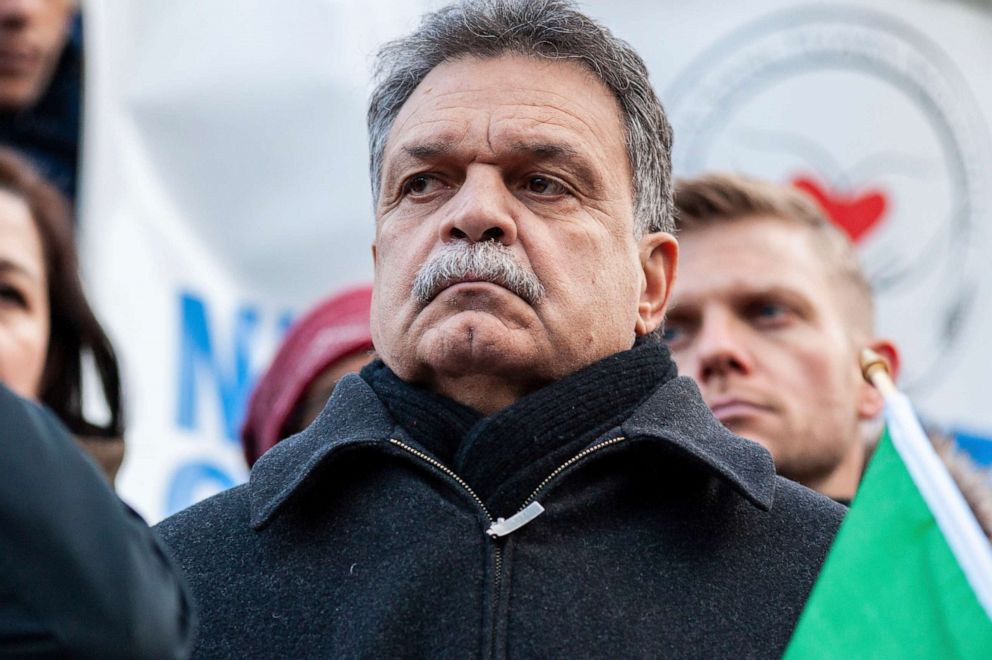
(872, 119)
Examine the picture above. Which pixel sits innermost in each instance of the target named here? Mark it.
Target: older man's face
(32, 36)
(528, 154)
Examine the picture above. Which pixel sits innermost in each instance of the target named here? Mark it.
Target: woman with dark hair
(46, 324)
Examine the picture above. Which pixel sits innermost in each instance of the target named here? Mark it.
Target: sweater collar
(674, 416)
(506, 455)
(503, 456)
(433, 421)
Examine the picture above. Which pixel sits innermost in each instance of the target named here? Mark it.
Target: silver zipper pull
(504, 526)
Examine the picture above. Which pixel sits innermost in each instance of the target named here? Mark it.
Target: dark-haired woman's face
(24, 324)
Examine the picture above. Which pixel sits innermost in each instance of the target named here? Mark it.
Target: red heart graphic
(855, 214)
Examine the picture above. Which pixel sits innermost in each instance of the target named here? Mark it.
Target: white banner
(225, 182)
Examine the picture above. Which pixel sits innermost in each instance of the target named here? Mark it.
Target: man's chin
(471, 341)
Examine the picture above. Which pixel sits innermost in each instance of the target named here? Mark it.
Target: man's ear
(659, 254)
(870, 403)
(373, 255)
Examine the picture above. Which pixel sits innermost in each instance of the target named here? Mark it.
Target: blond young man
(769, 315)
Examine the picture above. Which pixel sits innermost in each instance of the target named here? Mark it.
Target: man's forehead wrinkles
(543, 149)
(419, 121)
(447, 143)
(517, 95)
(552, 110)
(459, 107)
(424, 142)
(557, 116)
(582, 132)
(418, 114)
(551, 129)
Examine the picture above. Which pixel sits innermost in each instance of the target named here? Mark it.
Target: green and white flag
(910, 573)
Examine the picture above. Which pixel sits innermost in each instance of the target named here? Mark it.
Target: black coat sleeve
(81, 574)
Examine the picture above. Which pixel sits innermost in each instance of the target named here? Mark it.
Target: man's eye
(542, 185)
(672, 334)
(421, 184)
(770, 312)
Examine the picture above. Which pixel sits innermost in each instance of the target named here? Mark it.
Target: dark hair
(549, 29)
(74, 330)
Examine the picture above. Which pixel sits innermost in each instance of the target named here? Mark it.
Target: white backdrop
(225, 182)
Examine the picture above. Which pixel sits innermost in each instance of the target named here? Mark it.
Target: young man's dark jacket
(662, 534)
(81, 575)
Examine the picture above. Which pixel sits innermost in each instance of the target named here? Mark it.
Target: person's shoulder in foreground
(81, 575)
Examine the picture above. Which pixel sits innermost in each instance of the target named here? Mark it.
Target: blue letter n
(230, 378)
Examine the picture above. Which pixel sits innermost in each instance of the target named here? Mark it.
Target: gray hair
(488, 261)
(552, 29)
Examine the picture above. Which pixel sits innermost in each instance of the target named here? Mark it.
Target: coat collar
(353, 416)
(674, 416)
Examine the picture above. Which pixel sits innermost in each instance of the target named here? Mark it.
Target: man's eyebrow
(546, 150)
(429, 150)
(791, 295)
(557, 152)
(415, 153)
(772, 291)
(549, 152)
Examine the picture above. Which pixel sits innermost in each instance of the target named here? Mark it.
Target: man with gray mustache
(522, 473)
(488, 261)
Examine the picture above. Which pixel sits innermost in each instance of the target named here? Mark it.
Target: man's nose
(483, 209)
(721, 347)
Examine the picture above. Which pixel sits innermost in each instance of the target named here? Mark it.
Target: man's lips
(729, 409)
(456, 284)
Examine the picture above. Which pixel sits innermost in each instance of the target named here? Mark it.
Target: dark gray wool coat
(667, 537)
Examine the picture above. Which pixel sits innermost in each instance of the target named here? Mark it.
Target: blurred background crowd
(186, 218)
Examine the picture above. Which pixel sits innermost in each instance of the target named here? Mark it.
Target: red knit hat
(334, 329)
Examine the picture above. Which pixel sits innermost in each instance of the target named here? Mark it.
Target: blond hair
(717, 198)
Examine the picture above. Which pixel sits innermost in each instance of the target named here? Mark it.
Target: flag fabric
(910, 573)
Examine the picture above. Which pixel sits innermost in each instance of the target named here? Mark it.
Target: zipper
(567, 464)
(449, 472)
(497, 544)
(501, 527)
(530, 508)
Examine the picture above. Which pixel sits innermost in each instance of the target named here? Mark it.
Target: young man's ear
(871, 404)
(659, 254)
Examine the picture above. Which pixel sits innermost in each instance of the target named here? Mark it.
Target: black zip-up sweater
(376, 532)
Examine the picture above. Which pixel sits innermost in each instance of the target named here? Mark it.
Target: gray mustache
(487, 261)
